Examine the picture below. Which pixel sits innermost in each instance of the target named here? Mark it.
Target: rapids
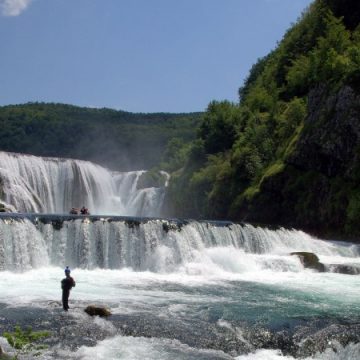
(177, 289)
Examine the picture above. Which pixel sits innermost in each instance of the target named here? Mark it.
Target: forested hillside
(116, 139)
(289, 152)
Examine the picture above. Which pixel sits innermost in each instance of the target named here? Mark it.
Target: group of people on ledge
(82, 211)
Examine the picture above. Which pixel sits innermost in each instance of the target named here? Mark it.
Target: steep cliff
(289, 152)
(318, 186)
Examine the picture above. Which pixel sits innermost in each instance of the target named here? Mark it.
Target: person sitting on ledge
(84, 211)
(74, 211)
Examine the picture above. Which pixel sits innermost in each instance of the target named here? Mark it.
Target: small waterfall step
(155, 244)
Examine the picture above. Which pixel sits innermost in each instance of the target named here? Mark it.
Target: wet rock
(57, 224)
(7, 208)
(4, 356)
(170, 226)
(199, 334)
(327, 337)
(132, 223)
(318, 183)
(101, 311)
(347, 269)
(329, 145)
(309, 260)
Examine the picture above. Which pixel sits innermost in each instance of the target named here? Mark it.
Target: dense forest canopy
(116, 139)
(288, 152)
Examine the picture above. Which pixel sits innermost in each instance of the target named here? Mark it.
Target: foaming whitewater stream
(178, 289)
(53, 185)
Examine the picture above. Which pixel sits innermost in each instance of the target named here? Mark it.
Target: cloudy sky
(135, 55)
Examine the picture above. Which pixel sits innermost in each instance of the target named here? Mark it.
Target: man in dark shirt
(66, 285)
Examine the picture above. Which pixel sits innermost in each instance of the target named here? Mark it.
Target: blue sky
(135, 55)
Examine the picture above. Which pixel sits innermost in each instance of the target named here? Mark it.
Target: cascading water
(220, 289)
(52, 185)
(177, 289)
(156, 245)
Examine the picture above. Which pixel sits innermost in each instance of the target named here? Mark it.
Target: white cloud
(13, 7)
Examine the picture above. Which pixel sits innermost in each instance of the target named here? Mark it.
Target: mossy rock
(309, 260)
(101, 311)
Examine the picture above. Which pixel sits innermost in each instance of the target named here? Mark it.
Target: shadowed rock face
(328, 144)
(317, 189)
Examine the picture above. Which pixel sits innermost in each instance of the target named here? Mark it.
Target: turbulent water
(177, 289)
(52, 185)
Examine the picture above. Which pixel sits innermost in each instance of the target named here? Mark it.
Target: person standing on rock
(66, 285)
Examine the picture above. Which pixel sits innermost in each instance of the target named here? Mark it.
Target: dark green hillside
(289, 152)
(117, 139)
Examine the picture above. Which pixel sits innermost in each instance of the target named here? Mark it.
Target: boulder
(6, 208)
(309, 260)
(4, 356)
(170, 226)
(94, 310)
(347, 269)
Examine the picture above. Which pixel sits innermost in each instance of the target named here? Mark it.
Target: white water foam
(336, 352)
(195, 248)
(139, 348)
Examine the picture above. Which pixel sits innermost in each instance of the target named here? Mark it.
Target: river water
(193, 290)
(176, 289)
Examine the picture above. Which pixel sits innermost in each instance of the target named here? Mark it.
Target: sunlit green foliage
(218, 128)
(247, 145)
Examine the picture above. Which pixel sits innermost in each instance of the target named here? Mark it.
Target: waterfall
(22, 246)
(53, 185)
(155, 245)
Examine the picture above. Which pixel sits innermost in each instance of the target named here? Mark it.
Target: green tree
(218, 128)
(329, 61)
